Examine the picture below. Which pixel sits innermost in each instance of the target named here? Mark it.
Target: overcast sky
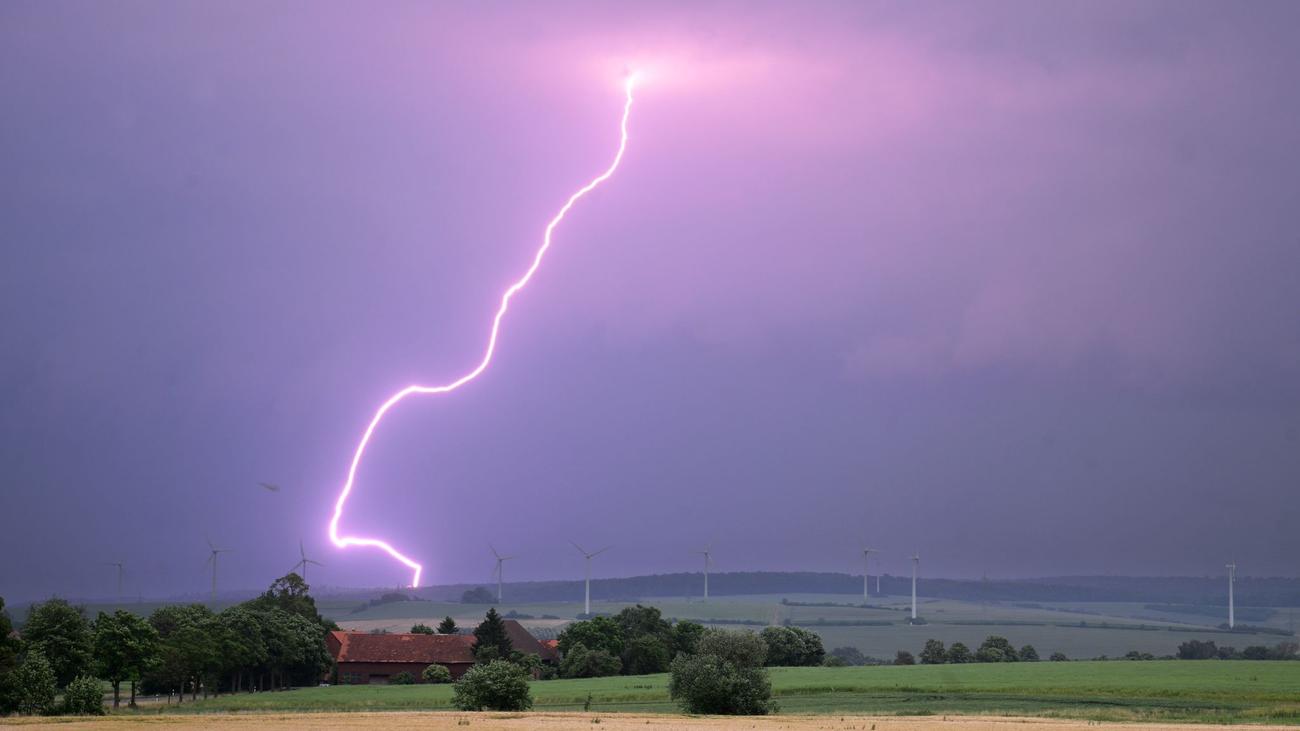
(1014, 285)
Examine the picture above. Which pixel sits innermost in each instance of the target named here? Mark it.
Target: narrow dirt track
(596, 721)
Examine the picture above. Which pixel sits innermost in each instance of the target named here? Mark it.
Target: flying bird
(270, 486)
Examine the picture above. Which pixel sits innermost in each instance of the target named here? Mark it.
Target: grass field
(1203, 692)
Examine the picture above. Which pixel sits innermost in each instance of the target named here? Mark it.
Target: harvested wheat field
(614, 722)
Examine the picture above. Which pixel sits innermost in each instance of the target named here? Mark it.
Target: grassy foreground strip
(1209, 691)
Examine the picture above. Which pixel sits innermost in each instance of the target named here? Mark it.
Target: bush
(725, 676)
(850, 655)
(84, 697)
(402, 678)
(1028, 654)
(742, 649)
(904, 658)
(33, 686)
(1058, 657)
(792, 647)
(579, 662)
(834, 661)
(1197, 650)
(436, 673)
(422, 629)
(496, 686)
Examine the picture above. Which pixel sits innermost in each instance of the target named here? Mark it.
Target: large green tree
(60, 632)
(649, 642)
(189, 649)
(447, 626)
(934, 653)
(996, 649)
(295, 648)
(291, 594)
(126, 646)
(242, 646)
(490, 639)
(959, 653)
(597, 633)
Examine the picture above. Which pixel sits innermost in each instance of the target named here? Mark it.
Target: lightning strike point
(414, 389)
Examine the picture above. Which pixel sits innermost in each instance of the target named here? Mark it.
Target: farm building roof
(522, 640)
(403, 648)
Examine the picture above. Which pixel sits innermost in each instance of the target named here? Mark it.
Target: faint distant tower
(866, 580)
(1232, 576)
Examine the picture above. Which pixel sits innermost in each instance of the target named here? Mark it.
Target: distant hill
(1259, 592)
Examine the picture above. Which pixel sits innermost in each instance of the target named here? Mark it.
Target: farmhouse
(365, 658)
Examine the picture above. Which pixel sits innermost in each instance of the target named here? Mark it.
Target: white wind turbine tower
(500, 573)
(586, 604)
(118, 564)
(866, 564)
(1232, 610)
(212, 559)
(707, 553)
(302, 564)
(916, 562)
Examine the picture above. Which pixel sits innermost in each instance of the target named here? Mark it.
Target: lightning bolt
(414, 389)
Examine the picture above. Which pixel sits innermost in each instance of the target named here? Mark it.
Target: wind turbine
(916, 562)
(708, 560)
(866, 564)
(302, 564)
(212, 559)
(586, 605)
(1232, 610)
(500, 573)
(118, 564)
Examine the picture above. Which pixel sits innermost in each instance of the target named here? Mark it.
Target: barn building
(364, 658)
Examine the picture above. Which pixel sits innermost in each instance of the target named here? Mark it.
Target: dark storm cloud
(1013, 286)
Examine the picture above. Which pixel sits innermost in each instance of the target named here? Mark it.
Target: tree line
(275, 640)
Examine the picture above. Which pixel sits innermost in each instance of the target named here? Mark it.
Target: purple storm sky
(1014, 285)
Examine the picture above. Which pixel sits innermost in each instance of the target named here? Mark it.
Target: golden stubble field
(596, 722)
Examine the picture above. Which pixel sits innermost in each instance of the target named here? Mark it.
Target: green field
(1206, 691)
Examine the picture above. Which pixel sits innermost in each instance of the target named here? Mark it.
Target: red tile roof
(404, 648)
(522, 640)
